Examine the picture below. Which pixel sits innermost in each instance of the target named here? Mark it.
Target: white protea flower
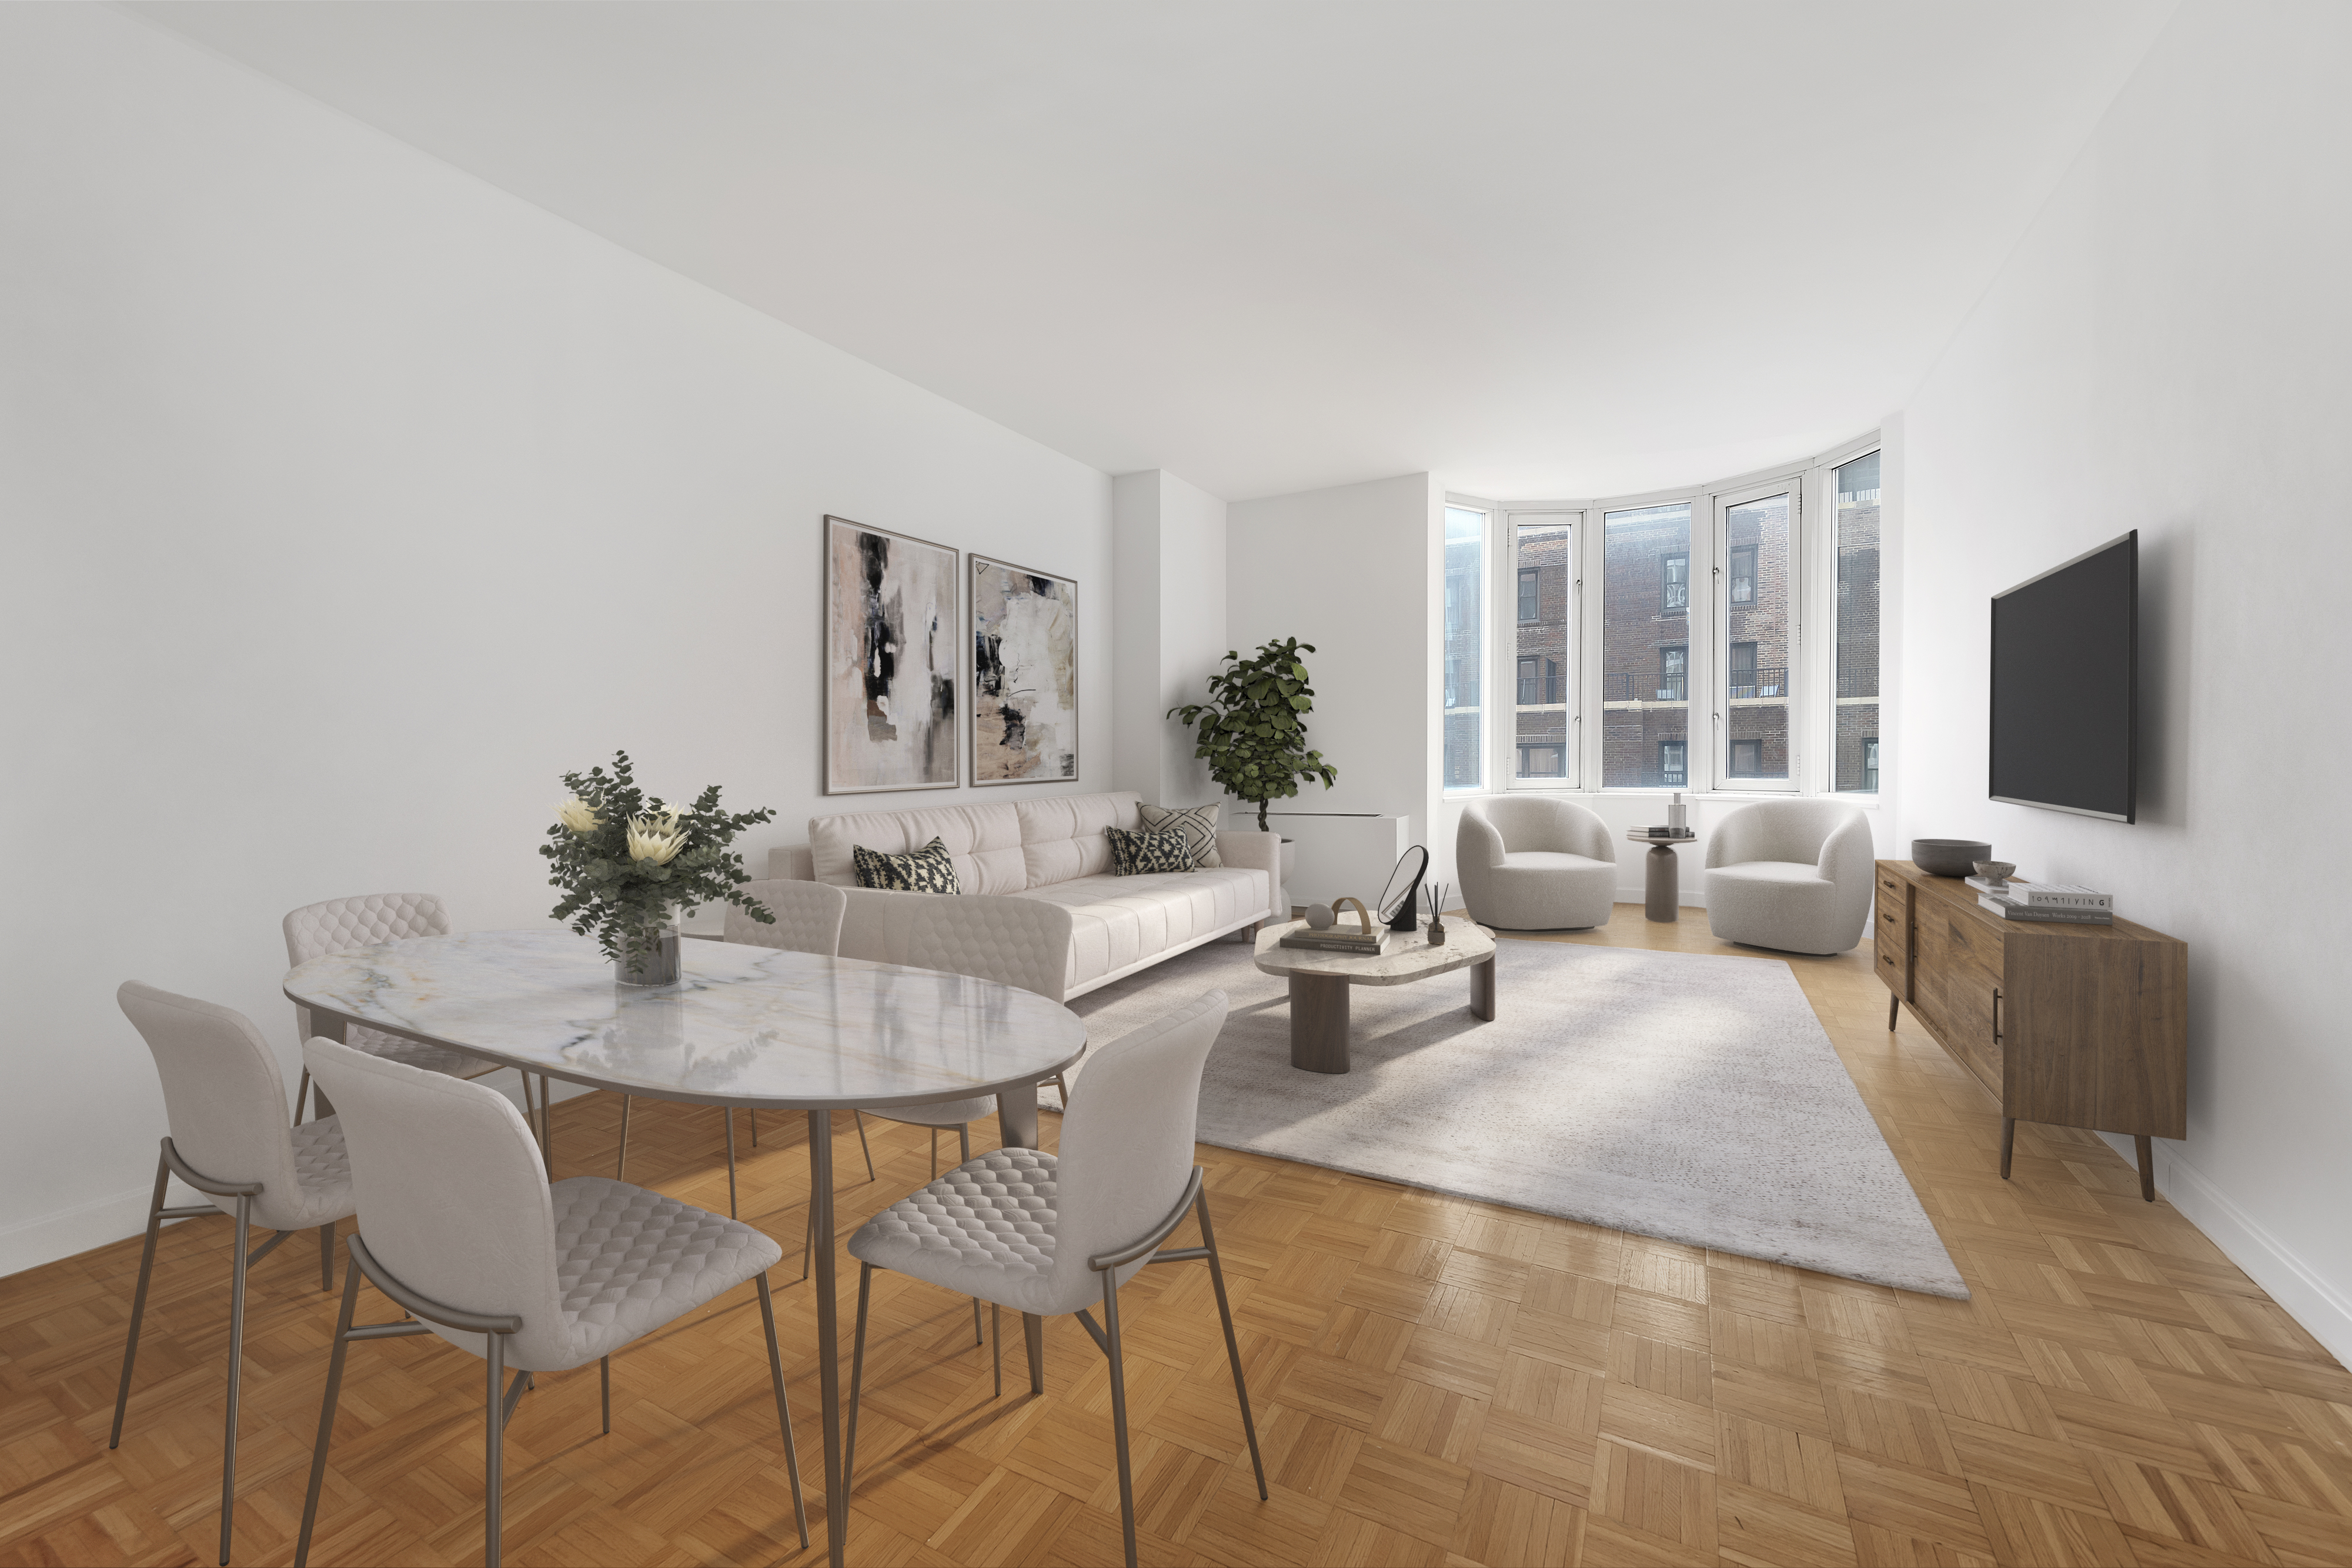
(579, 816)
(657, 838)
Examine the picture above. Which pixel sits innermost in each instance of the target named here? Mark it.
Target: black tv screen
(2066, 651)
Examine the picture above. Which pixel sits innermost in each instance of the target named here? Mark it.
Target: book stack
(2053, 901)
(1331, 939)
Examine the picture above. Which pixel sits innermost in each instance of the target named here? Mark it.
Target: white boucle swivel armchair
(1792, 875)
(1534, 863)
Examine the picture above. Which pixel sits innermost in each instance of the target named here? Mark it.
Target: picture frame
(892, 668)
(1022, 712)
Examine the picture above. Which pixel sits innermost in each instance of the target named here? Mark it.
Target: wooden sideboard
(2078, 1026)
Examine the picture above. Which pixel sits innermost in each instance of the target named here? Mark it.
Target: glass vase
(655, 964)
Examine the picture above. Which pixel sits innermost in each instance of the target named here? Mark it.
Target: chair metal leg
(1233, 1347)
(1118, 1411)
(1063, 1084)
(302, 1094)
(235, 1368)
(494, 1450)
(621, 1160)
(862, 1144)
(755, 1127)
(547, 1126)
(808, 1238)
(996, 1345)
(326, 1256)
(604, 1387)
(783, 1407)
(138, 1297)
(327, 1412)
(730, 1114)
(935, 1154)
(857, 1372)
(963, 1140)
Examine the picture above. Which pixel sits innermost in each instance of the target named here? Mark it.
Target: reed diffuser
(1435, 892)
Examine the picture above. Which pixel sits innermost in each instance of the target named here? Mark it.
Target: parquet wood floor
(1437, 1381)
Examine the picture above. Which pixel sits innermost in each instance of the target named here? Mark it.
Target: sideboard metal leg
(2146, 1165)
(2007, 1143)
(1894, 1009)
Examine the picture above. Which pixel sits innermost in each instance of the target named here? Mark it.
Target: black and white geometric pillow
(1135, 855)
(927, 869)
(1197, 823)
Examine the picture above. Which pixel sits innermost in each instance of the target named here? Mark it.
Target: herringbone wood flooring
(1436, 1382)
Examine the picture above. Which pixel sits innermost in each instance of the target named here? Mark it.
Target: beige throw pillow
(1197, 823)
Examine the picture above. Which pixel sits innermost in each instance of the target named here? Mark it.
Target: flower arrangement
(627, 864)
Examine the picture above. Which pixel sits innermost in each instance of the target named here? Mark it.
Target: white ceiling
(1543, 250)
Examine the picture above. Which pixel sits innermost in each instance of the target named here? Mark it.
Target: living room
(410, 406)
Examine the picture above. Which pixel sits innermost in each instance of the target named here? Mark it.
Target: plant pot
(651, 965)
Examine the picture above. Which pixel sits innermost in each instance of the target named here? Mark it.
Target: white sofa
(1041, 867)
(1534, 863)
(1791, 875)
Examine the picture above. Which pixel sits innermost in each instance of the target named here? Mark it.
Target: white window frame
(1488, 640)
(1722, 503)
(1505, 752)
(1811, 670)
(1822, 679)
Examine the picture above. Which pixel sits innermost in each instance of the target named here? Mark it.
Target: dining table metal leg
(1016, 1125)
(828, 1331)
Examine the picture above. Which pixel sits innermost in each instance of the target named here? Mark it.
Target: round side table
(1661, 875)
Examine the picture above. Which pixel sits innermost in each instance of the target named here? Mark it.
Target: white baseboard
(2323, 1310)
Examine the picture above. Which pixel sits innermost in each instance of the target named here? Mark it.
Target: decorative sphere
(1320, 917)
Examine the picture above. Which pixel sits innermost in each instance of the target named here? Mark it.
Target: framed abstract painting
(891, 674)
(1025, 674)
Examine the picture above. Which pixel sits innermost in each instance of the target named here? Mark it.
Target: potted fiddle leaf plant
(1252, 732)
(628, 862)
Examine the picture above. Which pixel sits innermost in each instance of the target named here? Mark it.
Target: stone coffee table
(1320, 981)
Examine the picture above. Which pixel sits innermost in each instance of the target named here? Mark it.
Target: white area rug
(1679, 1095)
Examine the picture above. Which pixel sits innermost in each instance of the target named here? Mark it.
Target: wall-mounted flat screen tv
(2065, 653)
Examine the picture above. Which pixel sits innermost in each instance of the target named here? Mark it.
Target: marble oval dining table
(744, 1025)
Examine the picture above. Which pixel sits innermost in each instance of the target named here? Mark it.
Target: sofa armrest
(791, 863)
(1259, 852)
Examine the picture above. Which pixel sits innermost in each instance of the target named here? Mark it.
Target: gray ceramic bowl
(1949, 857)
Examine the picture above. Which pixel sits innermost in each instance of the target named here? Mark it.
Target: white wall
(1352, 569)
(1169, 631)
(349, 501)
(2167, 350)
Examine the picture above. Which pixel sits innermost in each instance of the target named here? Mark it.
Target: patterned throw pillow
(1197, 823)
(927, 869)
(1133, 854)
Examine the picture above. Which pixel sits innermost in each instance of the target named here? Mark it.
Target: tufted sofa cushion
(992, 1218)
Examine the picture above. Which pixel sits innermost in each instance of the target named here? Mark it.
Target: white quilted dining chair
(226, 1101)
(1008, 1227)
(460, 1227)
(348, 925)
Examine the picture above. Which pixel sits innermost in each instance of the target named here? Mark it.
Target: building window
(1553, 694)
(1743, 575)
(1746, 758)
(1856, 625)
(1674, 770)
(1543, 761)
(1530, 596)
(1466, 649)
(1675, 573)
(1527, 683)
(1673, 674)
(1542, 546)
(1742, 670)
